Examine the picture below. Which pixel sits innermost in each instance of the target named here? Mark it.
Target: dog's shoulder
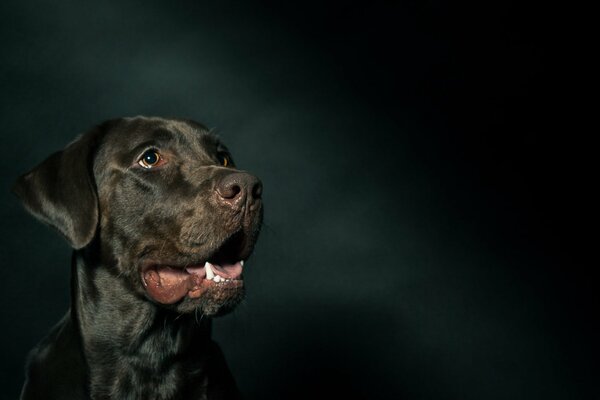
(55, 367)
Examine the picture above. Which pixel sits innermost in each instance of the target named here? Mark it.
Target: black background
(427, 183)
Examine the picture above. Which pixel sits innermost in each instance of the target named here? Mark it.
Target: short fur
(116, 342)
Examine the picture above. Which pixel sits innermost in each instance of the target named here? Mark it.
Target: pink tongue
(167, 285)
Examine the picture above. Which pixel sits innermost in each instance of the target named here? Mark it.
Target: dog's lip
(168, 284)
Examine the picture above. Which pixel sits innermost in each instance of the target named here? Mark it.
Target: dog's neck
(129, 342)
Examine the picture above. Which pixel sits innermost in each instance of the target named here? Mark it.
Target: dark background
(427, 183)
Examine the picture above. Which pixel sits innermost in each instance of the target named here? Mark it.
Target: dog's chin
(216, 301)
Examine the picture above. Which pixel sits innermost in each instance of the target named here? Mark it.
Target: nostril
(230, 191)
(239, 188)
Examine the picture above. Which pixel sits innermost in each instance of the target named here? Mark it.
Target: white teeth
(209, 272)
(211, 276)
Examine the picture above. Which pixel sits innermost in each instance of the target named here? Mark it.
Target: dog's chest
(160, 364)
(128, 383)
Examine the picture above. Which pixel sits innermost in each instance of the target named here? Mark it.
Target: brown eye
(150, 158)
(223, 159)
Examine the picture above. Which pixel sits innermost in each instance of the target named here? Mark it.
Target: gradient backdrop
(425, 223)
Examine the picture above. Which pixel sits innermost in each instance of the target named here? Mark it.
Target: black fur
(117, 341)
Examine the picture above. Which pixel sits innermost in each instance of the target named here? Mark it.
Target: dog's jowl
(161, 222)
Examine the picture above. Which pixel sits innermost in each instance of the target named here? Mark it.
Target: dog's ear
(61, 190)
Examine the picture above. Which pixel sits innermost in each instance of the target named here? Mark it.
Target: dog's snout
(239, 187)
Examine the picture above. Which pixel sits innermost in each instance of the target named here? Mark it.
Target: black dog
(161, 222)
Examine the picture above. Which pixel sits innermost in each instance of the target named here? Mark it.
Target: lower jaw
(208, 298)
(206, 285)
(214, 301)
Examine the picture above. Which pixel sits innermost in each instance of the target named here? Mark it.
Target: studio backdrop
(423, 228)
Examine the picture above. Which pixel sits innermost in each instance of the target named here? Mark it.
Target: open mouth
(169, 283)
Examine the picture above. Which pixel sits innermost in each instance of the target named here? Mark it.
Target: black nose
(238, 188)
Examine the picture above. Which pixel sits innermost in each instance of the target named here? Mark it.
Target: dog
(161, 223)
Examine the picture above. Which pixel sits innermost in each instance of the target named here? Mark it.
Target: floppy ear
(61, 191)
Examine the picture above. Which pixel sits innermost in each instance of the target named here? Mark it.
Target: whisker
(162, 247)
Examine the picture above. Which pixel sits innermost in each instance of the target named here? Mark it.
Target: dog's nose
(235, 188)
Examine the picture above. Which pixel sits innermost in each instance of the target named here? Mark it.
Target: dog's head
(162, 203)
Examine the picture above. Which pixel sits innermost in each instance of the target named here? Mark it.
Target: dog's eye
(223, 159)
(150, 158)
